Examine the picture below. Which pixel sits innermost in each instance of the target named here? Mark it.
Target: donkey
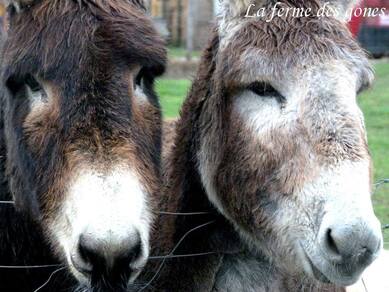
(80, 141)
(272, 146)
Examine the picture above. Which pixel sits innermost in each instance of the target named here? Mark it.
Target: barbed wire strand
(183, 214)
(49, 279)
(172, 252)
(30, 267)
(182, 255)
(364, 285)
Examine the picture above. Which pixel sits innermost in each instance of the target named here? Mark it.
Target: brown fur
(86, 52)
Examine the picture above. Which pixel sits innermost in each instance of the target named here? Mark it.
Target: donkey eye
(138, 80)
(35, 91)
(33, 84)
(143, 80)
(19, 85)
(27, 88)
(265, 89)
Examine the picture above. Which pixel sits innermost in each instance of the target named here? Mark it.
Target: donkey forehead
(286, 51)
(61, 38)
(331, 76)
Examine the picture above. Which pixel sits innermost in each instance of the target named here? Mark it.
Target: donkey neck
(183, 179)
(207, 235)
(249, 271)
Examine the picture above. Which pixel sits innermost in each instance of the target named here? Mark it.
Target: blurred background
(174, 16)
(187, 24)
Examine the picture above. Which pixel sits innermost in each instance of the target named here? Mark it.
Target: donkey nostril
(98, 256)
(350, 243)
(89, 254)
(331, 242)
(135, 252)
(86, 251)
(82, 258)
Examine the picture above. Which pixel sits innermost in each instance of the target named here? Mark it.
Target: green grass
(374, 103)
(179, 52)
(172, 93)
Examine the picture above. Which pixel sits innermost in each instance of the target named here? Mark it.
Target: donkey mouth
(316, 272)
(328, 273)
(102, 278)
(110, 281)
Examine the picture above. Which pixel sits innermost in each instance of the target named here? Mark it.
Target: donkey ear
(139, 3)
(234, 8)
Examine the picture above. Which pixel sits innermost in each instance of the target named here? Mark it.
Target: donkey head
(83, 130)
(283, 150)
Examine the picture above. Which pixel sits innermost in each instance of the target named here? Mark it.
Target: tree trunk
(190, 27)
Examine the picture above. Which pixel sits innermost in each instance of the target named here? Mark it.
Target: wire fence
(380, 183)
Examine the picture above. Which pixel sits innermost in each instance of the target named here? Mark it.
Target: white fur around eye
(259, 113)
(37, 98)
(140, 95)
(17, 7)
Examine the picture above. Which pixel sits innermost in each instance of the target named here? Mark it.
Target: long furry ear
(232, 11)
(234, 8)
(139, 3)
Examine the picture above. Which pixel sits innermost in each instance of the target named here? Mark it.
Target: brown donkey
(271, 144)
(80, 141)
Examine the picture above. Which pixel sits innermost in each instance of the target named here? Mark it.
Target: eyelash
(144, 79)
(31, 82)
(265, 89)
(138, 78)
(16, 84)
(27, 87)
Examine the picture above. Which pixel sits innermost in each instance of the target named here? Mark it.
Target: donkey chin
(103, 229)
(349, 236)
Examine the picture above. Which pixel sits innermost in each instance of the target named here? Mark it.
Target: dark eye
(33, 84)
(16, 84)
(138, 78)
(144, 80)
(265, 89)
(27, 87)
